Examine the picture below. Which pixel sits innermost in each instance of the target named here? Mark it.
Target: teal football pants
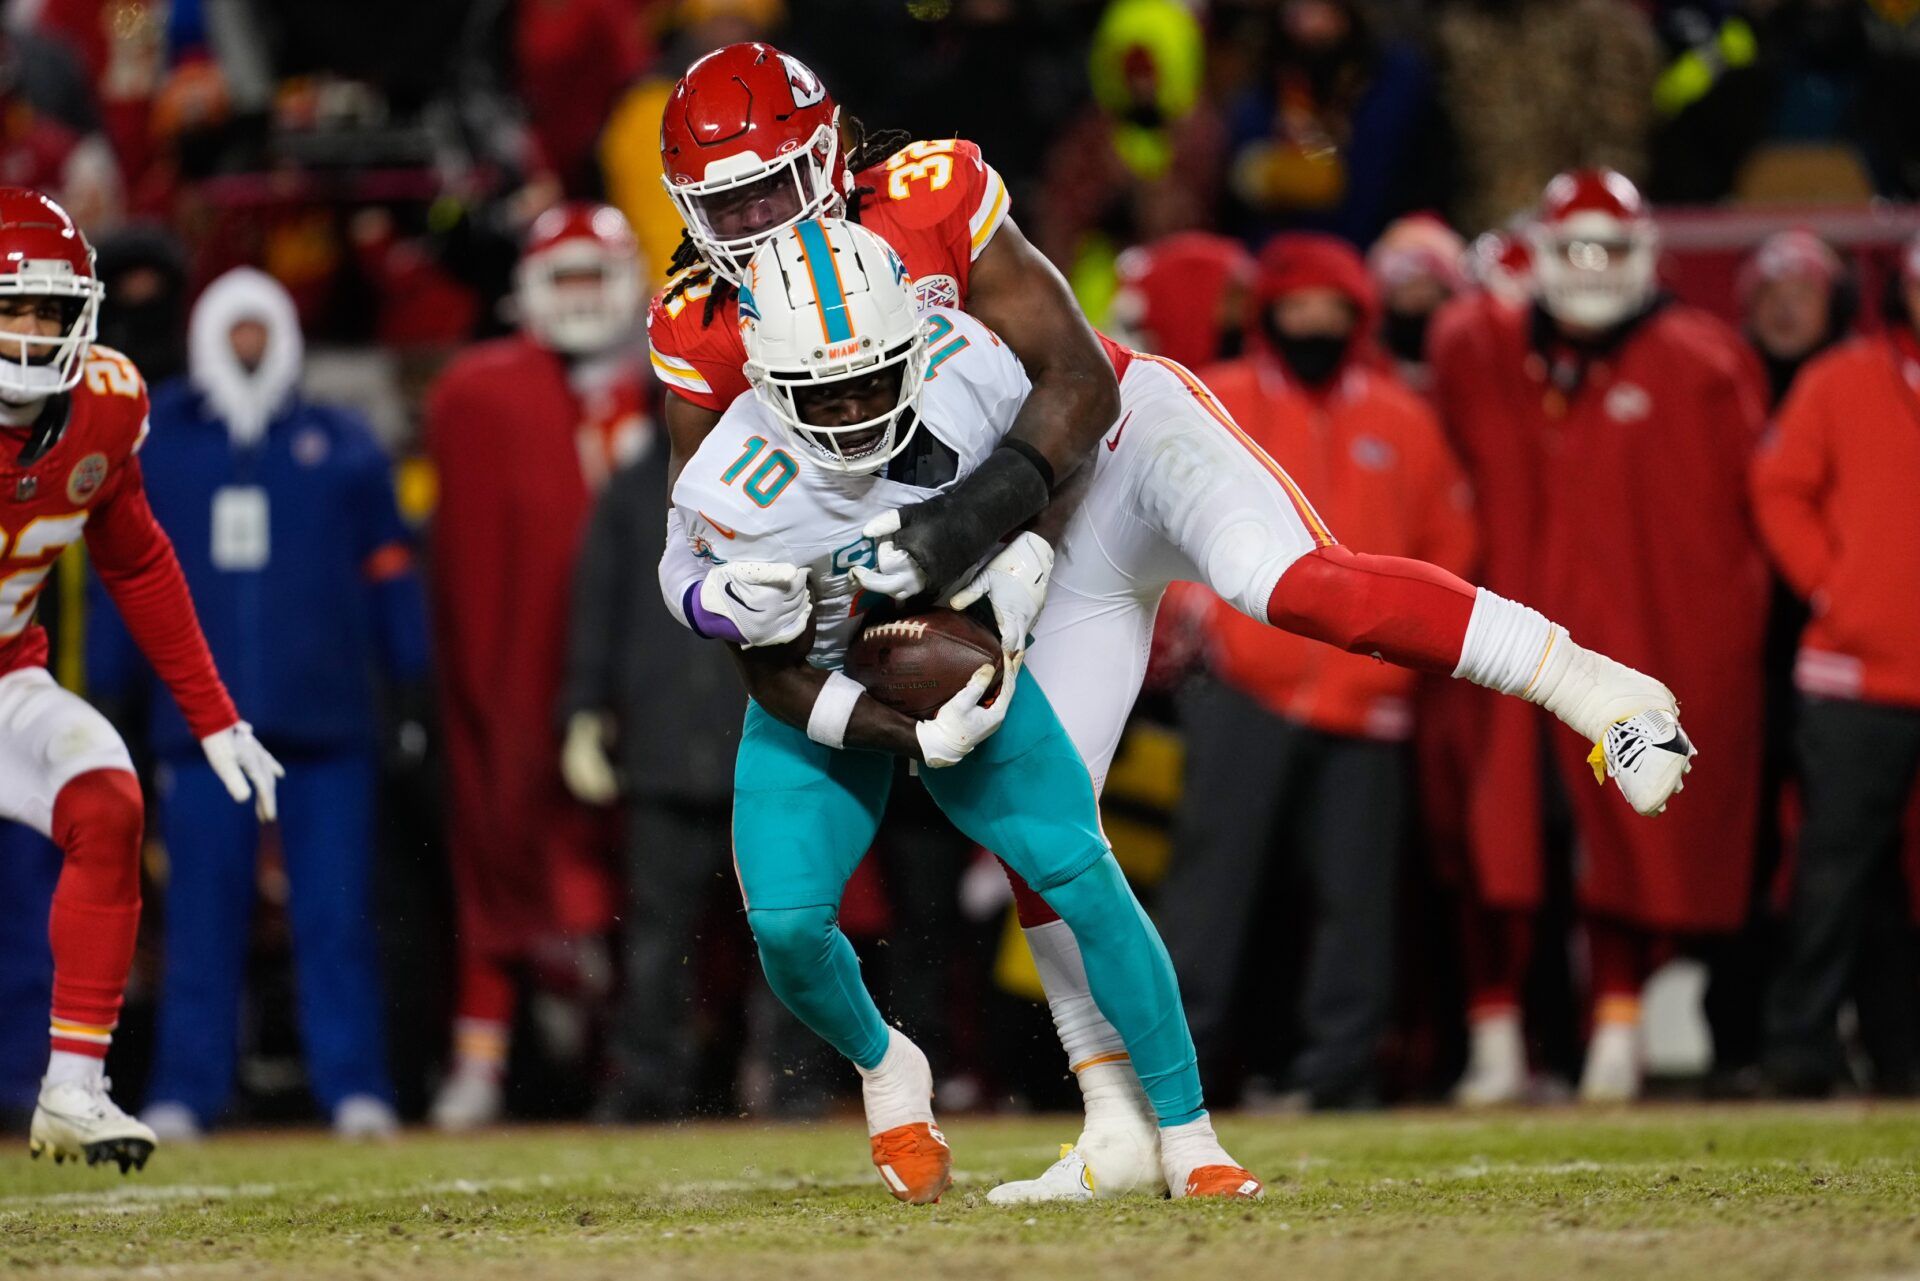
(805, 814)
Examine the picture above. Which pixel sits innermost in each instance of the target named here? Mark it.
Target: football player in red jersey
(751, 144)
(73, 416)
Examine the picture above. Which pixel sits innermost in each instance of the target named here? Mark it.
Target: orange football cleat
(1229, 1182)
(915, 1161)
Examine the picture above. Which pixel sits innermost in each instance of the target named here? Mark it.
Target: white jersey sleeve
(974, 386)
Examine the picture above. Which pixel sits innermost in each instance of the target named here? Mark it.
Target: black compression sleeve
(947, 535)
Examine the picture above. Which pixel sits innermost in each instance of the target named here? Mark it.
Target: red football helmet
(750, 145)
(578, 281)
(43, 255)
(1182, 297)
(1594, 249)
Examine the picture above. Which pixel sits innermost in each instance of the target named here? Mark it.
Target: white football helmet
(828, 302)
(1594, 249)
(578, 281)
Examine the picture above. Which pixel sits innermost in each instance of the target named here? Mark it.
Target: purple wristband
(705, 622)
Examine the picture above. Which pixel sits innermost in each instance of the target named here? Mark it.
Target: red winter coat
(1837, 492)
(1620, 510)
(508, 438)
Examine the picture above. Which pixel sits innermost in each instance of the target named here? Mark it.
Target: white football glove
(893, 572)
(584, 764)
(1015, 584)
(247, 769)
(962, 724)
(767, 602)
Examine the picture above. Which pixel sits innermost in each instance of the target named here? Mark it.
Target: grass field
(1748, 1193)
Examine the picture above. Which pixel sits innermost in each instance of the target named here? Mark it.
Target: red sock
(486, 989)
(1405, 611)
(1498, 943)
(98, 821)
(1028, 905)
(1618, 956)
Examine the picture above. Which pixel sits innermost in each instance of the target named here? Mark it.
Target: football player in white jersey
(1179, 492)
(860, 405)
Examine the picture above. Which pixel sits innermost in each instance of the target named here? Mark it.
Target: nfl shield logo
(24, 491)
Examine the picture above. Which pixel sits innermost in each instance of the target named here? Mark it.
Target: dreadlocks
(864, 150)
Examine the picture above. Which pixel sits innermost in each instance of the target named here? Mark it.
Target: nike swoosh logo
(724, 531)
(735, 598)
(1114, 443)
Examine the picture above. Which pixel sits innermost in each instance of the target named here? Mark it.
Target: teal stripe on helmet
(827, 294)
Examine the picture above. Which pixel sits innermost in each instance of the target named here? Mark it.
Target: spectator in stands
(143, 316)
(522, 432)
(1297, 752)
(572, 60)
(1610, 417)
(629, 148)
(283, 514)
(1834, 496)
(1144, 160)
(1184, 297)
(1417, 265)
(652, 715)
(1342, 133)
(1796, 300)
(1532, 87)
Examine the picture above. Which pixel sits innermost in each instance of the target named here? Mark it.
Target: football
(915, 663)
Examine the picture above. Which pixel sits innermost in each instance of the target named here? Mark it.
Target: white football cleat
(470, 1099)
(1068, 1179)
(1612, 1073)
(1496, 1062)
(83, 1122)
(362, 1116)
(1647, 755)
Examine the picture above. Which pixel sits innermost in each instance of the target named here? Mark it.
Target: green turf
(1751, 1193)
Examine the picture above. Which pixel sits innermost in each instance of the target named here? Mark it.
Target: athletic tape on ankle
(832, 709)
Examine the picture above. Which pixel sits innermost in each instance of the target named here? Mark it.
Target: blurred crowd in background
(503, 885)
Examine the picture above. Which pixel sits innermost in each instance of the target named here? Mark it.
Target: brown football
(915, 663)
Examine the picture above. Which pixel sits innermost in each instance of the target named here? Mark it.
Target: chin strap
(48, 427)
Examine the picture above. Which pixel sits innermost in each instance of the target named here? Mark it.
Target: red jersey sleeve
(938, 203)
(136, 564)
(699, 359)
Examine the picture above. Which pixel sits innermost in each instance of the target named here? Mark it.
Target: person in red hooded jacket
(1314, 738)
(1607, 430)
(522, 432)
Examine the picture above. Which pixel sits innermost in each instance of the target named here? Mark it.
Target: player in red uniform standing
(73, 416)
(1606, 429)
(522, 433)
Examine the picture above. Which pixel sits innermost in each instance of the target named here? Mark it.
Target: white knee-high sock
(1095, 1053)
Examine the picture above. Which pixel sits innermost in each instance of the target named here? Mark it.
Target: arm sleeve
(587, 684)
(136, 564)
(1790, 476)
(393, 581)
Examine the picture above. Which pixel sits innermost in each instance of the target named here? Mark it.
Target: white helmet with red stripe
(578, 281)
(827, 313)
(1594, 249)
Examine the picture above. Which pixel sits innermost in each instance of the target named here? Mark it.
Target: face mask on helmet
(578, 297)
(835, 346)
(730, 216)
(49, 318)
(1593, 272)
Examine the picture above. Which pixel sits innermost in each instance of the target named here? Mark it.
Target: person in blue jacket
(284, 517)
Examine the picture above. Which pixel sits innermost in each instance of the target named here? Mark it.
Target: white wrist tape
(832, 709)
(1507, 644)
